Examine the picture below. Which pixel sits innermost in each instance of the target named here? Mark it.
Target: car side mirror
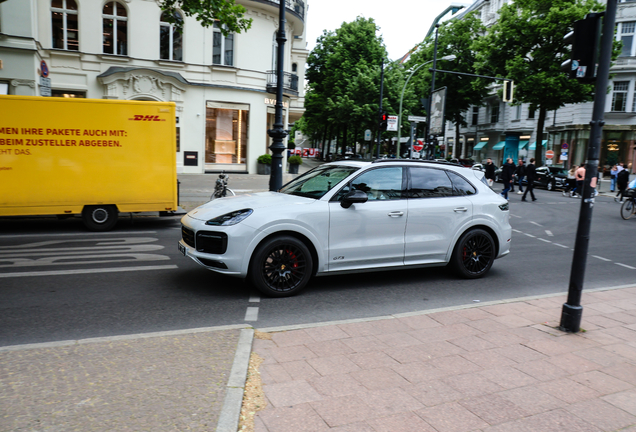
(356, 196)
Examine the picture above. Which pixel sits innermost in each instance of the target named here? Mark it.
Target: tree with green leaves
(526, 45)
(229, 14)
(343, 76)
(455, 37)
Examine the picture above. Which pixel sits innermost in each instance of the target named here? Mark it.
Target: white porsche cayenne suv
(352, 216)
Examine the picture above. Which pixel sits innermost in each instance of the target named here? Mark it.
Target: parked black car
(551, 178)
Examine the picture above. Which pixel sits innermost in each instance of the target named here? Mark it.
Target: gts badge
(338, 258)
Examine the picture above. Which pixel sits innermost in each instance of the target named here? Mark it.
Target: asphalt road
(58, 282)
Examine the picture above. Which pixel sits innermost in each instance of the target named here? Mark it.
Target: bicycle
(628, 209)
(220, 188)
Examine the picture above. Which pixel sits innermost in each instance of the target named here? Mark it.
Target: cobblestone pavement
(498, 367)
(163, 383)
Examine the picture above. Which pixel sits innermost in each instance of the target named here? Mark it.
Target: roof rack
(416, 161)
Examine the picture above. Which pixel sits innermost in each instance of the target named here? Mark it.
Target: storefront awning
(523, 144)
(480, 145)
(499, 145)
(533, 146)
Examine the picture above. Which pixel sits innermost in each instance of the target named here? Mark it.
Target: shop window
(475, 119)
(4, 88)
(226, 133)
(619, 95)
(64, 25)
(68, 94)
(170, 40)
(115, 33)
(626, 35)
(222, 47)
(494, 113)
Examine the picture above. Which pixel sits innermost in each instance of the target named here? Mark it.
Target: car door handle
(396, 214)
(460, 209)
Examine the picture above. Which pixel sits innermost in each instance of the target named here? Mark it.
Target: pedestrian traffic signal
(384, 119)
(508, 89)
(585, 41)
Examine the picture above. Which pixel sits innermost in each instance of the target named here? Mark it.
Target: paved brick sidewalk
(164, 383)
(492, 368)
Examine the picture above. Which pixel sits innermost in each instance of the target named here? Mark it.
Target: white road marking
(515, 216)
(560, 245)
(530, 235)
(254, 299)
(517, 231)
(601, 258)
(537, 224)
(251, 314)
(85, 271)
(82, 234)
(549, 233)
(626, 266)
(544, 240)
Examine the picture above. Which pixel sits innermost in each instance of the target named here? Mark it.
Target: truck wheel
(100, 217)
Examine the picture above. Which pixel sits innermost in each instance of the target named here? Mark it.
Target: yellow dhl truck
(88, 157)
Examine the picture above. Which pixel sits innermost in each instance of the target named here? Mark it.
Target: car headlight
(229, 219)
(504, 207)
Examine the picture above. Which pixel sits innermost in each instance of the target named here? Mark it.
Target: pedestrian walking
(613, 173)
(580, 179)
(489, 170)
(530, 175)
(570, 187)
(507, 175)
(514, 169)
(622, 178)
(521, 173)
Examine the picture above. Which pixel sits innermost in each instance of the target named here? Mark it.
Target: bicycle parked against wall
(628, 209)
(220, 188)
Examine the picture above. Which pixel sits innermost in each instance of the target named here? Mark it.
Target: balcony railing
(290, 83)
(295, 6)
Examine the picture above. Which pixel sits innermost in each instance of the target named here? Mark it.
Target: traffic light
(508, 90)
(384, 119)
(585, 41)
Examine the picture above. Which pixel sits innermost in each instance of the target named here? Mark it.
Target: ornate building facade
(223, 86)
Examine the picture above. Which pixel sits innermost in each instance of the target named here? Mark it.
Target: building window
(494, 113)
(4, 88)
(531, 113)
(64, 25)
(68, 93)
(518, 112)
(171, 41)
(619, 95)
(226, 133)
(274, 53)
(222, 47)
(626, 35)
(294, 68)
(475, 119)
(115, 29)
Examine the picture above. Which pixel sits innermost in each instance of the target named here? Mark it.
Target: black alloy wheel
(474, 254)
(281, 266)
(550, 186)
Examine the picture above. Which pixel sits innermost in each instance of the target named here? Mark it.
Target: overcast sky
(403, 23)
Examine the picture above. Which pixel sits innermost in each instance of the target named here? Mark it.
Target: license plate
(182, 249)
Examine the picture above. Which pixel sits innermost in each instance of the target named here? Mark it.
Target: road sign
(564, 145)
(417, 119)
(549, 154)
(44, 69)
(392, 123)
(45, 86)
(367, 135)
(419, 146)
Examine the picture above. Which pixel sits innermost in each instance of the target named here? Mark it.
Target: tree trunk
(538, 152)
(456, 140)
(325, 136)
(345, 131)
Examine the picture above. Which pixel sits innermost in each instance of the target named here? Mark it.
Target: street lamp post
(277, 133)
(450, 57)
(429, 142)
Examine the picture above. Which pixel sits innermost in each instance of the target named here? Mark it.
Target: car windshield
(562, 171)
(319, 181)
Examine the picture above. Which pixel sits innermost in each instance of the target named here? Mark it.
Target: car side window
(379, 184)
(461, 186)
(429, 183)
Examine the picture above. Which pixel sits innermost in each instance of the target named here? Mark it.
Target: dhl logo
(146, 118)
